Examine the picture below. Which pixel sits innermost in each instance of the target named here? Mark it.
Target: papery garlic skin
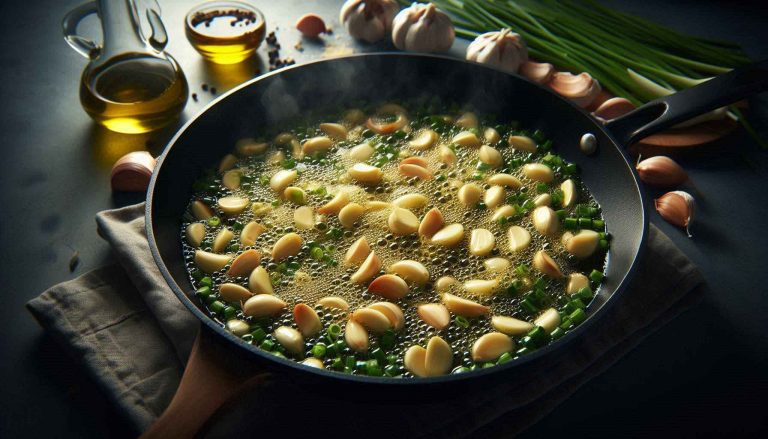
(503, 49)
(368, 20)
(677, 208)
(582, 89)
(422, 28)
(661, 171)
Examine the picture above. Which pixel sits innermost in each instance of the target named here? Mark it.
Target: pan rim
(299, 368)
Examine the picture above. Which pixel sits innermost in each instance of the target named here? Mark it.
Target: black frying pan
(280, 97)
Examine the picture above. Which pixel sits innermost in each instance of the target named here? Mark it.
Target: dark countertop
(703, 374)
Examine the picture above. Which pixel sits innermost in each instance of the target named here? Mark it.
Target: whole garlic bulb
(504, 49)
(368, 20)
(422, 28)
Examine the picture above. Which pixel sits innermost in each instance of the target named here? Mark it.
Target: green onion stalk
(631, 57)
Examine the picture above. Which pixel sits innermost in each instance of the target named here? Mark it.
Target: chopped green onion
(267, 345)
(229, 312)
(337, 364)
(462, 321)
(561, 214)
(585, 223)
(319, 350)
(557, 333)
(388, 339)
(571, 223)
(528, 306)
(203, 292)
(596, 276)
(598, 224)
(214, 221)
(460, 369)
(217, 306)
(505, 357)
(334, 330)
(258, 335)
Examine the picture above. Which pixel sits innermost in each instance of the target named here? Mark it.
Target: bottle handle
(158, 37)
(84, 46)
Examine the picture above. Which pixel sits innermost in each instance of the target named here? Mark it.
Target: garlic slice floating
(195, 233)
(306, 320)
(365, 174)
(361, 152)
(494, 196)
(357, 252)
(481, 242)
(369, 268)
(435, 315)
(466, 138)
(389, 286)
(576, 281)
(412, 271)
(570, 193)
(210, 262)
(545, 220)
(339, 200)
(549, 320)
(464, 307)
(244, 263)
(304, 218)
(250, 232)
(546, 265)
(424, 140)
(282, 179)
(233, 205)
(259, 281)
(402, 221)
(538, 172)
(263, 305)
(583, 244)
(288, 245)
(511, 325)
(490, 346)
(411, 201)
(481, 287)
(490, 156)
(234, 292)
(519, 238)
(356, 336)
(449, 235)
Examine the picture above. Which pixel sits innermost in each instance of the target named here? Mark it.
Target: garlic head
(503, 49)
(422, 28)
(368, 20)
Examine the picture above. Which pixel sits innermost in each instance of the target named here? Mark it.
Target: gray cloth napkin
(136, 353)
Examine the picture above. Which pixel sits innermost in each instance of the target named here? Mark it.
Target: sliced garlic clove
(466, 138)
(414, 361)
(356, 336)
(334, 302)
(369, 268)
(491, 135)
(467, 120)
(435, 315)
(357, 252)
(449, 235)
(373, 320)
(538, 172)
(402, 221)
(469, 194)
(576, 281)
(431, 223)
(583, 244)
(365, 174)
(481, 242)
(546, 265)
(418, 161)
(446, 283)
(511, 325)
(490, 346)
(234, 292)
(424, 140)
(494, 196)
(211, 262)
(545, 220)
(349, 214)
(288, 245)
(227, 162)
(542, 200)
(249, 147)
(480, 287)
(447, 156)
(361, 152)
(464, 307)
(233, 205)
(263, 305)
(259, 281)
(412, 170)
(238, 327)
(389, 287)
(439, 357)
(497, 265)
(316, 145)
(295, 195)
(282, 179)
(245, 263)
(276, 157)
(290, 339)
(231, 179)
(250, 232)
(200, 210)
(313, 362)
(222, 239)
(411, 201)
(522, 143)
(306, 320)
(334, 130)
(507, 180)
(519, 238)
(373, 206)
(393, 313)
(504, 211)
(304, 218)
(490, 156)
(340, 200)
(549, 320)
(412, 271)
(570, 193)
(195, 233)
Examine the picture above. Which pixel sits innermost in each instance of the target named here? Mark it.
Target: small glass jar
(225, 32)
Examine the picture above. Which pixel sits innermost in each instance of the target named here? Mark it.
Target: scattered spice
(194, 97)
(74, 261)
(205, 87)
(298, 46)
(275, 62)
(213, 90)
(240, 15)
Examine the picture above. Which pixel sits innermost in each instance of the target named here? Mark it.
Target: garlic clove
(231, 179)
(415, 160)
(519, 238)
(295, 195)
(233, 205)
(480, 287)
(238, 327)
(357, 252)
(263, 305)
(132, 172)
(469, 194)
(412, 271)
(576, 281)
(494, 196)
(510, 325)
(522, 143)
(447, 156)
(393, 313)
(402, 221)
(435, 315)
(334, 130)
(389, 286)
(356, 336)
(504, 211)
(195, 233)
(376, 124)
(361, 152)
(310, 25)
(334, 303)
(538, 172)
(411, 170)
(282, 179)
(545, 220)
(467, 120)
(677, 208)
(439, 357)
(497, 265)
(250, 232)
(200, 210)
(506, 180)
(613, 108)
(449, 235)
(248, 147)
(464, 307)
(661, 171)
(582, 89)
(245, 263)
(304, 218)
(411, 201)
(490, 346)
(374, 205)
(424, 140)
(466, 138)
(542, 200)
(422, 28)
(481, 242)
(491, 136)
(306, 320)
(316, 145)
(544, 263)
(234, 292)
(259, 281)
(313, 362)
(583, 244)
(570, 193)
(227, 162)
(490, 156)
(415, 359)
(503, 49)
(288, 245)
(350, 214)
(431, 223)
(374, 321)
(446, 283)
(549, 320)
(339, 200)
(540, 73)
(211, 262)
(365, 174)
(369, 268)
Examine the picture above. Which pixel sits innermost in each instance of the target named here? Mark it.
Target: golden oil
(225, 32)
(134, 93)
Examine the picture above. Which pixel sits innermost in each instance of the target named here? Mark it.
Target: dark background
(704, 374)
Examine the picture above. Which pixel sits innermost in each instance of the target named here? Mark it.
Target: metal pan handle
(668, 111)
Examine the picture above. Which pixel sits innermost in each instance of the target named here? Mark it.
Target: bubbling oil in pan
(307, 280)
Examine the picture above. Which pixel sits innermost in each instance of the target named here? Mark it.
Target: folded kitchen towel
(137, 352)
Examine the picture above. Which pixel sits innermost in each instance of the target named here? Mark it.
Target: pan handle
(668, 111)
